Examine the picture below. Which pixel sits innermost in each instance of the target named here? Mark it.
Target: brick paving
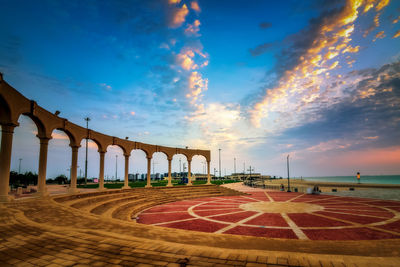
(49, 232)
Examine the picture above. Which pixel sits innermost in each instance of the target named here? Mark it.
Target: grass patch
(157, 183)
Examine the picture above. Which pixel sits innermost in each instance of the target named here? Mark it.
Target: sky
(316, 80)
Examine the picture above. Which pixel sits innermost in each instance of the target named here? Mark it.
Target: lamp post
(219, 154)
(116, 167)
(87, 119)
(19, 168)
(288, 180)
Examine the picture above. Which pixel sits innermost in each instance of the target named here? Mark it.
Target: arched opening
(138, 167)
(93, 164)
(24, 158)
(59, 160)
(199, 169)
(159, 168)
(114, 167)
(179, 168)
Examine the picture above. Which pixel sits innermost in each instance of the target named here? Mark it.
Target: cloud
(193, 29)
(260, 49)
(195, 6)
(178, 16)
(397, 34)
(379, 35)
(265, 25)
(303, 64)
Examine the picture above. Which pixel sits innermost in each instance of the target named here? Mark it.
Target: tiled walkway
(46, 233)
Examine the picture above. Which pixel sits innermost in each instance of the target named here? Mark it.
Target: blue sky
(259, 79)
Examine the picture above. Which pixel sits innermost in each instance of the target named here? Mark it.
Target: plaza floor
(275, 214)
(51, 232)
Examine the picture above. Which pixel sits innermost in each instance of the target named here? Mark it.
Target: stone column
(126, 181)
(7, 132)
(148, 172)
(189, 172)
(74, 170)
(208, 173)
(44, 145)
(169, 172)
(101, 173)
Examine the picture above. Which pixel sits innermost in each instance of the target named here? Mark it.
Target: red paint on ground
(372, 213)
(164, 208)
(233, 217)
(205, 207)
(165, 217)
(352, 218)
(309, 220)
(262, 232)
(197, 225)
(394, 226)
(347, 234)
(215, 212)
(268, 219)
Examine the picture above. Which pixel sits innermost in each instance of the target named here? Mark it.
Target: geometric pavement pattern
(275, 214)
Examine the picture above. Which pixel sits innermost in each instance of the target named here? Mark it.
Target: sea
(366, 179)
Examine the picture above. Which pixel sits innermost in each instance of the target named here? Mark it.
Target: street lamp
(19, 168)
(219, 154)
(87, 119)
(288, 180)
(116, 167)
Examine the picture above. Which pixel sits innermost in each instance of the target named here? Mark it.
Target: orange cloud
(333, 37)
(179, 16)
(382, 4)
(59, 136)
(397, 34)
(174, 1)
(195, 6)
(396, 20)
(193, 29)
(379, 35)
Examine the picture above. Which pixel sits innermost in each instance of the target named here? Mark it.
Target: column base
(73, 191)
(101, 189)
(6, 198)
(148, 186)
(208, 183)
(126, 187)
(189, 184)
(169, 185)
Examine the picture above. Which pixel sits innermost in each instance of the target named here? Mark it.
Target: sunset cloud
(179, 16)
(302, 85)
(195, 6)
(193, 29)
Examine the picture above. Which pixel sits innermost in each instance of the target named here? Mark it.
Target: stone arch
(159, 163)
(109, 167)
(5, 112)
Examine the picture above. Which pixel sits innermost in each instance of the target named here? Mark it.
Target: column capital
(101, 152)
(149, 157)
(127, 155)
(8, 127)
(44, 139)
(75, 147)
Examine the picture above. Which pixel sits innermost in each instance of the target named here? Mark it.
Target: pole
(116, 167)
(180, 168)
(219, 152)
(244, 167)
(288, 179)
(19, 168)
(87, 119)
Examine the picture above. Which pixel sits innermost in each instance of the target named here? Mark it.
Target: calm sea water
(367, 179)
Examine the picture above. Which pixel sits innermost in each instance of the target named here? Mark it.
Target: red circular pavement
(275, 214)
